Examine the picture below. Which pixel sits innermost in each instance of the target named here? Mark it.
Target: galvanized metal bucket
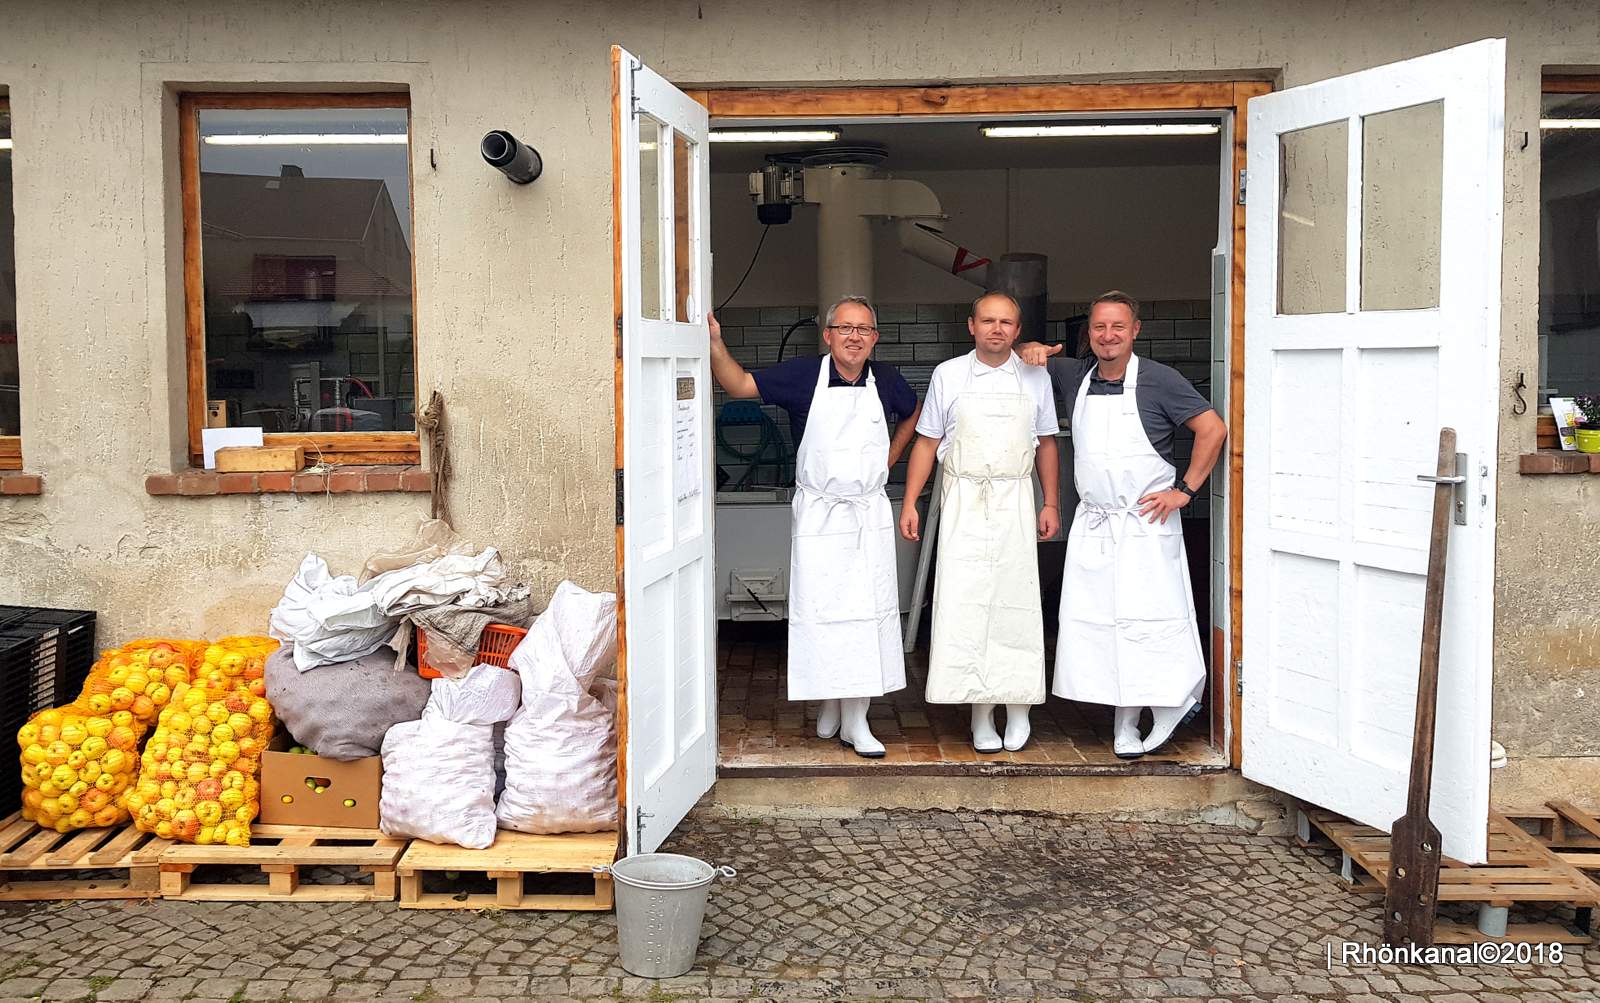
(661, 900)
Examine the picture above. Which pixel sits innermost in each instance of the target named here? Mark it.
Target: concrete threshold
(1218, 796)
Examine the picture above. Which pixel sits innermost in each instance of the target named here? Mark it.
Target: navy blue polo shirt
(791, 384)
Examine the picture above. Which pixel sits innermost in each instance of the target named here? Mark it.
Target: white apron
(844, 596)
(1128, 633)
(988, 628)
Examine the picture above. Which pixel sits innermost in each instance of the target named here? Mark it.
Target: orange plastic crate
(494, 647)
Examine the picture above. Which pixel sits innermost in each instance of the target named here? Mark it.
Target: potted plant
(1588, 432)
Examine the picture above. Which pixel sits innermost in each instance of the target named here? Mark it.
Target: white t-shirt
(965, 372)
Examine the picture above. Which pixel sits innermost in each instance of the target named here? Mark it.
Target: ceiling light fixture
(311, 139)
(775, 136)
(1118, 129)
(1569, 123)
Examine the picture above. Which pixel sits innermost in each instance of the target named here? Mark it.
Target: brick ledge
(339, 480)
(16, 483)
(1559, 461)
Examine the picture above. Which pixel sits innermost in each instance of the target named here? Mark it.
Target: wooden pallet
(1571, 833)
(26, 847)
(285, 853)
(1520, 869)
(513, 856)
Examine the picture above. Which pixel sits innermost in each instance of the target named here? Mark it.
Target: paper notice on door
(686, 474)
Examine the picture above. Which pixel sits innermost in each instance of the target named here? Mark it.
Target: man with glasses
(991, 421)
(844, 595)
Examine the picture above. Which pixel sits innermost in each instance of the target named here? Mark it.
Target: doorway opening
(1142, 201)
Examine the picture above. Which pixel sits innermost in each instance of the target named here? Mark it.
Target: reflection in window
(306, 247)
(10, 378)
(1569, 245)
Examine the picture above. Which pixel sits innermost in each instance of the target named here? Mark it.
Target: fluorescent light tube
(775, 136)
(1119, 129)
(5, 144)
(1569, 123)
(312, 139)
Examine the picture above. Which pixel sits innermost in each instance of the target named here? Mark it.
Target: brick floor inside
(962, 906)
(760, 728)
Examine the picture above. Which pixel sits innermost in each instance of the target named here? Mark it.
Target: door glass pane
(1312, 213)
(305, 243)
(651, 133)
(1402, 205)
(684, 265)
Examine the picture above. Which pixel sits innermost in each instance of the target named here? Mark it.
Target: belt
(1100, 515)
(862, 503)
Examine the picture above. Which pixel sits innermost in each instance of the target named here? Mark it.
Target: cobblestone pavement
(888, 905)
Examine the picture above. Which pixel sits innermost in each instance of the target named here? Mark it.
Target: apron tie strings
(862, 504)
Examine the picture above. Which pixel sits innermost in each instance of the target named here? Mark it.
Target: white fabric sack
(462, 579)
(438, 772)
(561, 747)
(328, 619)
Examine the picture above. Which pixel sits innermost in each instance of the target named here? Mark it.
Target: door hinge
(639, 815)
(619, 496)
(1238, 677)
(1244, 178)
(633, 86)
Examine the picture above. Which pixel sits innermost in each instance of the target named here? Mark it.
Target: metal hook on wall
(1521, 406)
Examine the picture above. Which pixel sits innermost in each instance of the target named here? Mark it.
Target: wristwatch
(1186, 489)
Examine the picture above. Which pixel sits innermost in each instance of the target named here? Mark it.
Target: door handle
(1459, 481)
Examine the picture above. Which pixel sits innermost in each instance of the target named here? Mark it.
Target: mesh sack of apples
(199, 778)
(80, 758)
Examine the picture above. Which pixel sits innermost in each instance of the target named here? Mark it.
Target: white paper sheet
(686, 476)
(213, 439)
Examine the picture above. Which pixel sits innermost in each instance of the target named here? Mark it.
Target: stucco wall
(514, 300)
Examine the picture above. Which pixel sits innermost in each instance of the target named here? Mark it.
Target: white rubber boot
(853, 730)
(984, 737)
(1167, 720)
(1125, 740)
(828, 719)
(1018, 730)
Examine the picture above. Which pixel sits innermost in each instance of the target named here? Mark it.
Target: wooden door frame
(844, 102)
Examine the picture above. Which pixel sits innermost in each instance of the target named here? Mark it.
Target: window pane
(1402, 205)
(10, 421)
(684, 265)
(1569, 240)
(305, 235)
(1312, 214)
(650, 136)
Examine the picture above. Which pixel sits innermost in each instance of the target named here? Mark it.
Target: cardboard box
(260, 458)
(284, 776)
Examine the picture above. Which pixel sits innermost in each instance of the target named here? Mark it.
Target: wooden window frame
(11, 445)
(844, 102)
(375, 448)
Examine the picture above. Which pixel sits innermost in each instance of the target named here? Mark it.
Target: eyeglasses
(849, 329)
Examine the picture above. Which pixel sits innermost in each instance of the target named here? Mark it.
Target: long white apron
(988, 627)
(1128, 633)
(844, 596)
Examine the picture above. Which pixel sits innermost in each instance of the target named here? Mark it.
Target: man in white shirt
(990, 420)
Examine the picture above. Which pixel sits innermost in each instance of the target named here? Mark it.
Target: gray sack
(343, 710)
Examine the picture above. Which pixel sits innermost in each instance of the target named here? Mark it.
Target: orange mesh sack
(199, 775)
(78, 759)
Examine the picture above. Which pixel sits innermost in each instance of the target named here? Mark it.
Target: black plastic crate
(45, 655)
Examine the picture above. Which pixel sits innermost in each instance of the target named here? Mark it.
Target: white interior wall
(1147, 230)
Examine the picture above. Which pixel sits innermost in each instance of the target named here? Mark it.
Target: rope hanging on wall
(431, 421)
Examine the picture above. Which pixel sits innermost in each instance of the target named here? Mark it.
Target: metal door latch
(1459, 480)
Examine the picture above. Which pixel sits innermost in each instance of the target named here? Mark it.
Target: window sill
(1559, 461)
(16, 483)
(340, 480)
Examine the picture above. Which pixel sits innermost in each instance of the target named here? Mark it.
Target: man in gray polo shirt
(1128, 635)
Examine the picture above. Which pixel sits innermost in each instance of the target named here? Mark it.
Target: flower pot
(1588, 440)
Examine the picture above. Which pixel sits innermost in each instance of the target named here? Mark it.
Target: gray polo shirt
(1166, 397)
